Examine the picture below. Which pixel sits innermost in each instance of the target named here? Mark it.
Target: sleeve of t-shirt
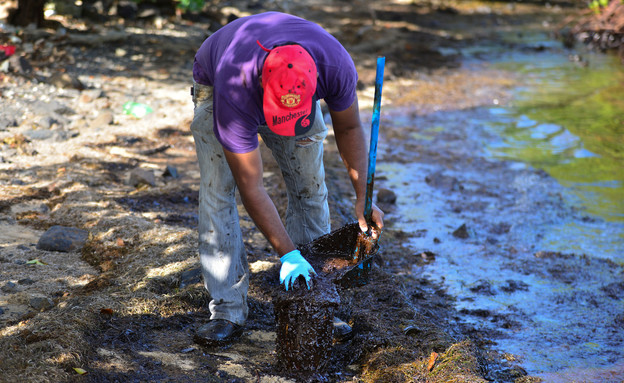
(234, 127)
(341, 91)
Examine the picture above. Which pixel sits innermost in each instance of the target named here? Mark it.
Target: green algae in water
(570, 122)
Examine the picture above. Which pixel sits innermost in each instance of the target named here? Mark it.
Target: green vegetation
(572, 126)
(598, 5)
(191, 5)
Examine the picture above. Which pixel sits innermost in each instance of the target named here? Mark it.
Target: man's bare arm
(247, 171)
(351, 142)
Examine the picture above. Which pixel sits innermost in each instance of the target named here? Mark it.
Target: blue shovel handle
(372, 152)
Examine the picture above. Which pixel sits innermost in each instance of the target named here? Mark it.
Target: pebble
(140, 176)
(30, 206)
(41, 303)
(444, 182)
(89, 95)
(66, 80)
(64, 239)
(461, 232)
(171, 171)
(9, 287)
(7, 122)
(18, 64)
(190, 277)
(103, 119)
(45, 134)
(386, 196)
(51, 108)
(45, 122)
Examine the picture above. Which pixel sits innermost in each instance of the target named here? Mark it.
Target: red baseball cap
(289, 83)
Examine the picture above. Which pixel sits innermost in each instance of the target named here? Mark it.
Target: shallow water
(540, 187)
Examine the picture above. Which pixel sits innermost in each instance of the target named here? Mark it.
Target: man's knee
(310, 140)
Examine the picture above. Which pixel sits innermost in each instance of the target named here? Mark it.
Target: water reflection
(568, 121)
(543, 265)
(533, 273)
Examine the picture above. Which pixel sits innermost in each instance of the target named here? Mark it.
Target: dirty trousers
(221, 248)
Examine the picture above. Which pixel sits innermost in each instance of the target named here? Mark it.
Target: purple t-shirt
(230, 60)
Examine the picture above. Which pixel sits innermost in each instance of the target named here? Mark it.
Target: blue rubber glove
(294, 265)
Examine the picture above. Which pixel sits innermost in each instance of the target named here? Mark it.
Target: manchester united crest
(290, 100)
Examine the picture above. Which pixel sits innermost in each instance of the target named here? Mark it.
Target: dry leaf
(106, 311)
(80, 371)
(432, 359)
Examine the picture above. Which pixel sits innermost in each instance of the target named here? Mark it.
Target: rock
(147, 11)
(30, 206)
(140, 176)
(96, 10)
(614, 290)
(41, 303)
(190, 277)
(7, 122)
(501, 228)
(413, 330)
(9, 287)
(171, 171)
(88, 96)
(25, 281)
(64, 110)
(52, 108)
(483, 287)
(55, 135)
(104, 118)
(66, 81)
(68, 8)
(46, 123)
(127, 9)
(444, 182)
(386, 196)
(18, 64)
(513, 286)
(64, 239)
(461, 232)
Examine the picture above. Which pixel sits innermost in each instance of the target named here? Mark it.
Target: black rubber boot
(217, 332)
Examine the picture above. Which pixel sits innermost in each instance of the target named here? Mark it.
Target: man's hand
(294, 265)
(378, 215)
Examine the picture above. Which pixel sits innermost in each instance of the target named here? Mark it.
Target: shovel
(365, 242)
(346, 254)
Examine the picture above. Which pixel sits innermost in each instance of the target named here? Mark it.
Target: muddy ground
(123, 306)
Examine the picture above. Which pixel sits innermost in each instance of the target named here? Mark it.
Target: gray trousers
(221, 249)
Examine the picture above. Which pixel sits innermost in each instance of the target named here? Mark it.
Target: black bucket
(334, 256)
(305, 316)
(305, 327)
